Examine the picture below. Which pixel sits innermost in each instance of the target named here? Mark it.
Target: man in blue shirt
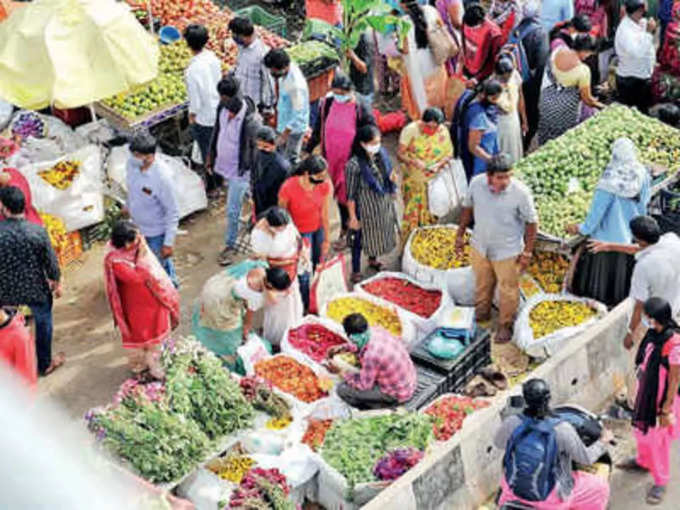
(151, 201)
(556, 11)
(292, 108)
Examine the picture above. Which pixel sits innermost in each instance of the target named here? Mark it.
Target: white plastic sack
(460, 284)
(330, 279)
(424, 326)
(549, 344)
(6, 110)
(98, 131)
(287, 348)
(205, 489)
(82, 203)
(408, 330)
(189, 187)
(421, 272)
(446, 190)
(196, 155)
(252, 351)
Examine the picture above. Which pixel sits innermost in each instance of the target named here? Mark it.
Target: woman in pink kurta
(144, 302)
(656, 417)
(341, 114)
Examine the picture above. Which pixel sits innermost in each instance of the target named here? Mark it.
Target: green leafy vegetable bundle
(563, 173)
(353, 446)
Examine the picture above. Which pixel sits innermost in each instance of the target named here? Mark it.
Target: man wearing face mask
(387, 376)
(256, 82)
(292, 107)
(233, 151)
(634, 43)
(502, 240)
(151, 201)
(270, 171)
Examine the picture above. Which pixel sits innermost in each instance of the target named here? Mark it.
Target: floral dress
(431, 150)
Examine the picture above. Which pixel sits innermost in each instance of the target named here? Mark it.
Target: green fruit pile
(564, 172)
(166, 90)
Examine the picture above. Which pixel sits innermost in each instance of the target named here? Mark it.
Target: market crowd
(481, 85)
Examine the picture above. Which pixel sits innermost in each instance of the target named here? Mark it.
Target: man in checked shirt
(387, 376)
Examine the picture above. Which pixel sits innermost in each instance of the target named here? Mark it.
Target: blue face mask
(136, 163)
(342, 98)
(361, 339)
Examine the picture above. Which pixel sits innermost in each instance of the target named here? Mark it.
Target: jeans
(202, 136)
(42, 314)
(367, 99)
(155, 244)
(236, 191)
(356, 253)
(316, 240)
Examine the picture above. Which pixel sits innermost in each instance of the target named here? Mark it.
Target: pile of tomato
(314, 340)
(316, 433)
(291, 377)
(449, 413)
(405, 294)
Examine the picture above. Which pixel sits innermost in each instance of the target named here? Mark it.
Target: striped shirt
(256, 82)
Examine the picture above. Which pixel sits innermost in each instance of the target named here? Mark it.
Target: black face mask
(316, 181)
(278, 75)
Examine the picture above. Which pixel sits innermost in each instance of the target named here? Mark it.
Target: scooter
(589, 428)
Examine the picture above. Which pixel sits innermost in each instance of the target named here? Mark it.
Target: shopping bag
(329, 280)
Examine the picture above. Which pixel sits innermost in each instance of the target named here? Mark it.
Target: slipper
(631, 464)
(655, 495)
(503, 336)
(57, 361)
(376, 266)
(479, 390)
(495, 377)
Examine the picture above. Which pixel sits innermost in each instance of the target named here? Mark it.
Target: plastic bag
(442, 197)
(206, 490)
(549, 344)
(444, 348)
(329, 279)
(6, 110)
(251, 352)
(79, 205)
(461, 286)
(98, 131)
(196, 155)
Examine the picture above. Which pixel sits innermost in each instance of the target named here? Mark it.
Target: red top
(305, 206)
(480, 47)
(385, 361)
(329, 11)
(18, 180)
(17, 349)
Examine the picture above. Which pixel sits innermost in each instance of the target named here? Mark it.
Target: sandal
(503, 336)
(495, 377)
(631, 464)
(375, 265)
(655, 495)
(356, 277)
(479, 390)
(57, 361)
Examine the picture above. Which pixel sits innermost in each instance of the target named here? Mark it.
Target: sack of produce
(460, 284)
(430, 253)
(422, 303)
(330, 279)
(311, 338)
(377, 312)
(189, 189)
(349, 481)
(548, 320)
(69, 187)
(449, 412)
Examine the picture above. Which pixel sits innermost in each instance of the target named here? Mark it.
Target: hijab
(624, 174)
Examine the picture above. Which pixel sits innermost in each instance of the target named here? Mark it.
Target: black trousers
(364, 400)
(634, 92)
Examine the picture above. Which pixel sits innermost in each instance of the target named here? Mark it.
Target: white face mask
(646, 322)
(372, 149)
(136, 162)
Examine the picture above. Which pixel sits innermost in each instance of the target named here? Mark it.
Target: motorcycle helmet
(536, 394)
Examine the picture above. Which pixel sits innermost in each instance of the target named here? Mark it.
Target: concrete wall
(466, 470)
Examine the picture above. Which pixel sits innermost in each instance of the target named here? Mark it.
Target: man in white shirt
(634, 44)
(202, 76)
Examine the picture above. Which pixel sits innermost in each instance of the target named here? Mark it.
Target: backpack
(531, 459)
(515, 49)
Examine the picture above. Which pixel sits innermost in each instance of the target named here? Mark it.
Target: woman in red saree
(143, 300)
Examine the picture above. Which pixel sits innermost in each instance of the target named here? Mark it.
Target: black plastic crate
(430, 385)
(460, 370)
(93, 234)
(669, 222)
(669, 201)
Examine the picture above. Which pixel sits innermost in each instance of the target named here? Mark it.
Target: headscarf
(531, 9)
(645, 412)
(385, 184)
(624, 175)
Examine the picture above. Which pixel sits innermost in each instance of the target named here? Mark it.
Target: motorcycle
(589, 428)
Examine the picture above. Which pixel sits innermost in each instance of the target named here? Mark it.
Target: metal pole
(150, 14)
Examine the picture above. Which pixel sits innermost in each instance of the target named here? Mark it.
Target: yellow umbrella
(72, 53)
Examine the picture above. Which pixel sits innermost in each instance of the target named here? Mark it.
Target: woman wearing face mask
(656, 417)
(340, 115)
(143, 300)
(307, 197)
(512, 118)
(270, 171)
(424, 149)
(370, 198)
(475, 127)
(563, 34)
(276, 240)
(223, 313)
(566, 98)
(423, 81)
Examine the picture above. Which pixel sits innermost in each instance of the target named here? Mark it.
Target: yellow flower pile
(549, 269)
(232, 468)
(376, 315)
(62, 174)
(56, 230)
(528, 286)
(436, 248)
(549, 316)
(278, 423)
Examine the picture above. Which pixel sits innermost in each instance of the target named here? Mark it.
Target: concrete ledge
(466, 470)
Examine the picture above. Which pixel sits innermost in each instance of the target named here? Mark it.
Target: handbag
(442, 44)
